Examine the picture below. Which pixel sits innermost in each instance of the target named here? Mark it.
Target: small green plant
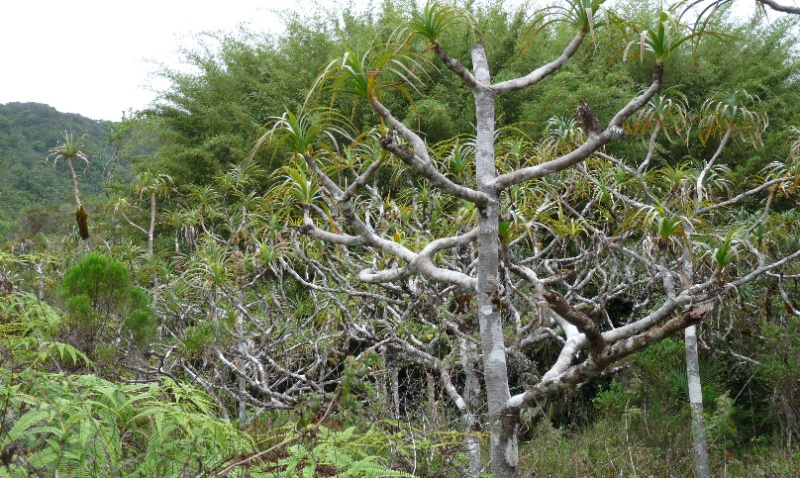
(337, 453)
(613, 400)
(100, 296)
(720, 425)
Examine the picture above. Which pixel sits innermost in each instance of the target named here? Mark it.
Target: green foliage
(27, 131)
(336, 453)
(100, 294)
(780, 356)
(434, 20)
(148, 183)
(614, 400)
(620, 445)
(582, 14)
(207, 120)
(433, 119)
(81, 425)
(644, 413)
(665, 113)
(304, 133)
(643, 416)
(729, 111)
(720, 425)
(233, 277)
(28, 328)
(386, 446)
(725, 254)
(664, 38)
(69, 149)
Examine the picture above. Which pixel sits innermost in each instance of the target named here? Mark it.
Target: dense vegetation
(275, 282)
(35, 188)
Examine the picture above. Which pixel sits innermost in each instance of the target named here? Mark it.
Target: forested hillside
(27, 132)
(430, 239)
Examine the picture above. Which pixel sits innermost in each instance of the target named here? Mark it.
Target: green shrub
(101, 296)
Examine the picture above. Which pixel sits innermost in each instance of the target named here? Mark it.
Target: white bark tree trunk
(696, 403)
(74, 183)
(694, 383)
(472, 395)
(151, 231)
(503, 436)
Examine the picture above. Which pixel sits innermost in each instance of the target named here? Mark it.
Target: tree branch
(593, 143)
(132, 223)
(745, 194)
(453, 65)
(780, 8)
(417, 157)
(594, 366)
(543, 71)
(577, 318)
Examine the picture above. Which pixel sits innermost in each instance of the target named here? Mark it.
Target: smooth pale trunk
(696, 403)
(472, 396)
(152, 230)
(394, 374)
(74, 183)
(503, 430)
(693, 378)
(695, 385)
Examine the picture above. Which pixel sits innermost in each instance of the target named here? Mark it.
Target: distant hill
(27, 132)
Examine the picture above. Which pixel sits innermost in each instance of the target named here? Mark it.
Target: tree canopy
(472, 232)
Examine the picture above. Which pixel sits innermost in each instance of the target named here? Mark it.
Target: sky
(98, 58)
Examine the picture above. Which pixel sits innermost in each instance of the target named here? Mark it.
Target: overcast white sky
(97, 57)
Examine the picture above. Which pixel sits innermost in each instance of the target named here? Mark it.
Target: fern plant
(337, 453)
(82, 425)
(27, 330)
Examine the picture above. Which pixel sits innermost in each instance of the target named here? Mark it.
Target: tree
(69, 150)
(726, 115)
(104, 306)
(555, 230)
(150, 185)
